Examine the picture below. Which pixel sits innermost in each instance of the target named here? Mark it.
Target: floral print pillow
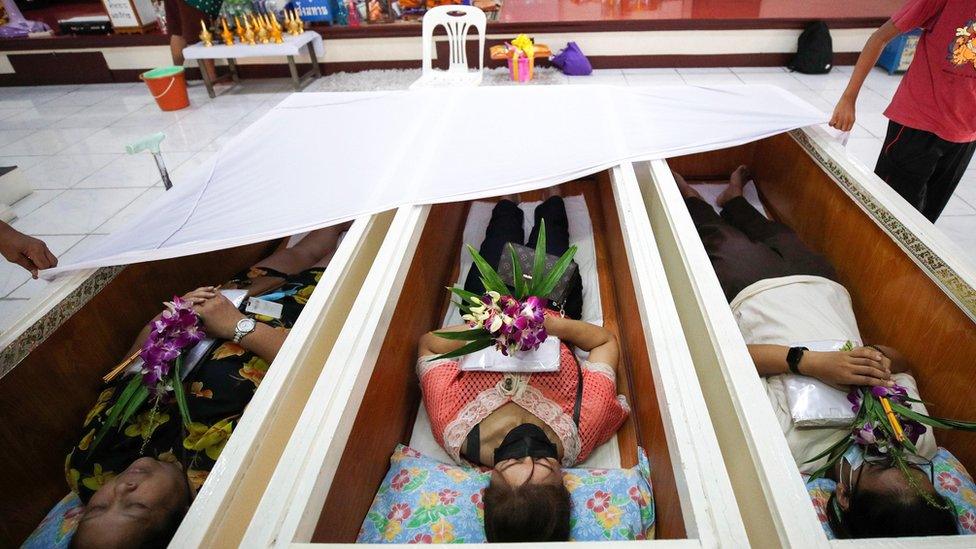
(952, 482)
(423, 500)
(820, 491)
(58, 527)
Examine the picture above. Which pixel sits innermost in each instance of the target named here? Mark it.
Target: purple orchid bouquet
(177, 330)
(886, 425)
(510, 322)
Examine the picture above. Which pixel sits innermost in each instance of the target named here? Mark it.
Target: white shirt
(794, 309)
(789, 309)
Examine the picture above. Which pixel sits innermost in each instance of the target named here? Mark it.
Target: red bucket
(168, 86)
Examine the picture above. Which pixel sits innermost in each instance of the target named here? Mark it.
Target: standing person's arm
(26, 251)
(844, 113)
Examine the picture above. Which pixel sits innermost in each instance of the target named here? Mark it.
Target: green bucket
(162, 72)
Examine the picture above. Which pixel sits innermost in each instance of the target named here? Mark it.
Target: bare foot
(687, 191)
(737, 181)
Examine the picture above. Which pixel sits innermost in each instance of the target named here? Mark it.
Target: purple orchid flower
(896, 393)
(865, 434)
(913, 430)
(854, 397)
(177, 329)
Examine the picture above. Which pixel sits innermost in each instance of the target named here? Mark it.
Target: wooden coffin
(911, 288)
(367, 397)
(54, 359)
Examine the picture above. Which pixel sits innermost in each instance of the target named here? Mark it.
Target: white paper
(264, 308)
(543, 359)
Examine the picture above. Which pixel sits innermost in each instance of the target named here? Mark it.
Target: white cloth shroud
(319, 159)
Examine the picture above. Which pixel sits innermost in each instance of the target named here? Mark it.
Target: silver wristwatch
(244, 327)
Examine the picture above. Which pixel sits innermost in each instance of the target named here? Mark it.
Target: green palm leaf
(489, 277)
(552, 278)
(466, 298)
(179, 392)
(466, 335)
(521, 287)
(117, 409)
(539, 263)
(140, 396)
(472, 347)
(937, 422)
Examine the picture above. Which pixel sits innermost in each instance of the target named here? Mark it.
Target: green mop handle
(151, 143)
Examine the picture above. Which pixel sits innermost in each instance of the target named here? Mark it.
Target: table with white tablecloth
(289, 48)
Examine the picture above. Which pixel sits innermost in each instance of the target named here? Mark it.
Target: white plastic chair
(457, 20)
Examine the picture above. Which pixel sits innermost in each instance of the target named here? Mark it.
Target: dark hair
(531, 512)
(886, 514)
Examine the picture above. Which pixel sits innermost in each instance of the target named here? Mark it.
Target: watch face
(246, 324)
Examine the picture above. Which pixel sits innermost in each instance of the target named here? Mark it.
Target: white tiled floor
(69, 141)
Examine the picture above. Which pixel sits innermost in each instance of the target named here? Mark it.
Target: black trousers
(506, 226)
(922, 167)
(745, 247)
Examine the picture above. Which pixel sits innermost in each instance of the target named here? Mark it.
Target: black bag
(814, 50)
(526, 257)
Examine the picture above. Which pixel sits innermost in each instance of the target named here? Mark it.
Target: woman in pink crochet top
(526, 426)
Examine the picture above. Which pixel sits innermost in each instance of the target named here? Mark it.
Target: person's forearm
(770, 360)
(432, 344)
(265, 341)
(869, 56)
(583, 335)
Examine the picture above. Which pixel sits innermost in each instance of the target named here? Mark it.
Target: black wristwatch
(793, 358)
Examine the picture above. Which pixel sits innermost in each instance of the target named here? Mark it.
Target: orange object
(893, 420)
(168, 86)
(503, 51)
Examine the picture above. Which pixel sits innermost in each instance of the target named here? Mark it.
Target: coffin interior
(896, 302)
(391, 400)
(45, 397)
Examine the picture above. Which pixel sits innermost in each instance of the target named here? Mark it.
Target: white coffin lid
(291, 505)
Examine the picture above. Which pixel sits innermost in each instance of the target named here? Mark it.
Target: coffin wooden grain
(911, 289)
(366, 399)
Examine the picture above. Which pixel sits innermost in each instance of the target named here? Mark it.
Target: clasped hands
(219, 315)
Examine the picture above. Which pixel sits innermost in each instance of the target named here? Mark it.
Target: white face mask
(854, 456)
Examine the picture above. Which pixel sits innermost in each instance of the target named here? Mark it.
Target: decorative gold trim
(53, 319)
(958, 289)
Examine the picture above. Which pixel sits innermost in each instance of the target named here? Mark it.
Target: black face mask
(525, 440)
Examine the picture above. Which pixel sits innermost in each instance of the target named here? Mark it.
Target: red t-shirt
(938, 93)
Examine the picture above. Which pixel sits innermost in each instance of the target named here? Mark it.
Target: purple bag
(572, 61)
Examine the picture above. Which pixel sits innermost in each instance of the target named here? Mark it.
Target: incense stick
(120, 368)
(893, 420)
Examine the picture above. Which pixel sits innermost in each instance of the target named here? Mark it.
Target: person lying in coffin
(526, 426)
(783, 294)
(139, 480)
